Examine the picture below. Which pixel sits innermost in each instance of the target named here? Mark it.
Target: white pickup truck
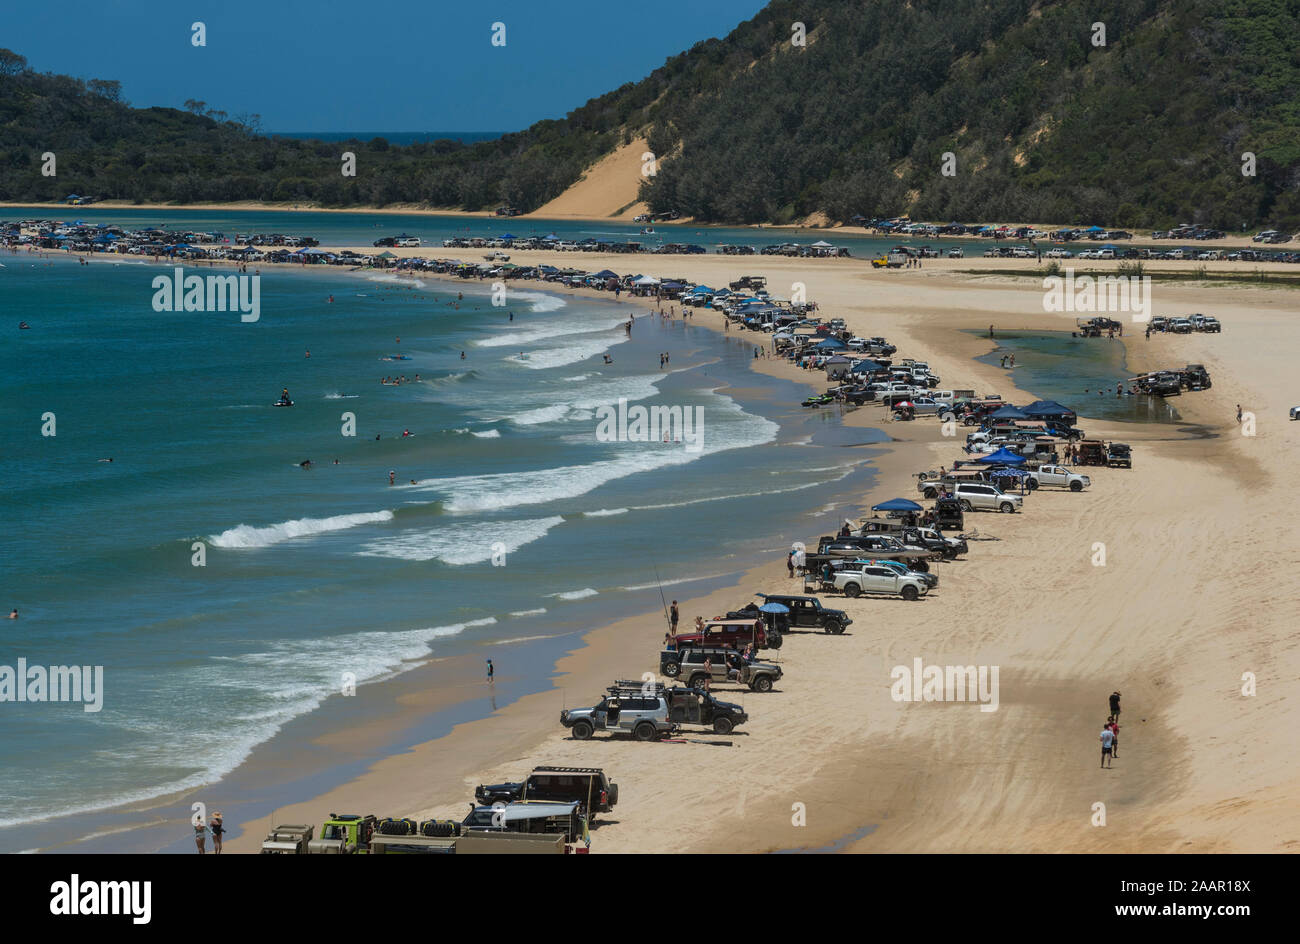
(879, 579)
(1059, 476)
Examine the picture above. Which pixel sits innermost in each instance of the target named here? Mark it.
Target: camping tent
(646, 280)
(1009, 412)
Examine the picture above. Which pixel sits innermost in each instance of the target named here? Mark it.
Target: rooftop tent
(1009, 412)
(897, 504)
(1003, 456)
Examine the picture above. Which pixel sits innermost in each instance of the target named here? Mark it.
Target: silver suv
(978, 496)
(649, 711)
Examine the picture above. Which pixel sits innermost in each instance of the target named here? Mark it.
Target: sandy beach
(1188, 602)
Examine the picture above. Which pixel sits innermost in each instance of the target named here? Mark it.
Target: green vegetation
(1147, 131)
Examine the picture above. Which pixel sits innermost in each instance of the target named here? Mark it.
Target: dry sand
(1199, 536)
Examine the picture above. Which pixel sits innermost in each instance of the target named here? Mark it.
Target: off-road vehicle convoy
(649, 711)
(580, 784)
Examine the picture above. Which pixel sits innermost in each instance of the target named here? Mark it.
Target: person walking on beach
(491, 671)
(673, 616)
(1107, 745)
(789, 563)
(1238, 412)
(217, 830)
(200, 836)
(1013, 360)
(1114, 729)
(1114, 705)
(990, 330)
(1004, 362)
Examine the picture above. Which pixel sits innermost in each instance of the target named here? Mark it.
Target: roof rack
(569, 770)
(640, 686)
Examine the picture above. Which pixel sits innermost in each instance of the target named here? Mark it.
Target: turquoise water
(362, 229)
(1080, 373)
(312, 573)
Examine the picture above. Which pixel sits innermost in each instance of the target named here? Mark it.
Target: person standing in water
(491, 671)
(200, 836)
(216, 826)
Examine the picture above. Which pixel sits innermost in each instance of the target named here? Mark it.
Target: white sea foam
(727, 427)
(673, 583)
(604, 512)
(460, 543)
(245, 535)
(575, 594)
(551, 329)
(537, 612)
(342, 396)
(489, 434)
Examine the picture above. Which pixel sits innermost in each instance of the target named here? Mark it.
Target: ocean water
(509, 519)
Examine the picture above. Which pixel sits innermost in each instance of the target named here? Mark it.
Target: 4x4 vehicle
(529, 816)
(650, 711)
(916, 536)
(948, 515)
(808, 612)
(979, 496)
(878, 545)
(879, 579)
(344, 834)
(1119, 455)
(561, 784)
(731, 632)
(929, 578)
(725, 663)
(1059, 476)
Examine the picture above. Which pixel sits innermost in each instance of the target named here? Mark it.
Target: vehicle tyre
(672, 669)
(909, 593)
(645, 731)
(834, 627)
(775, 640)
(970, 421)
(921, 567)
(1076, 486)
(1032, 483)
(722, 725)
(698, 680)
(964, 505)
(582, 730)
(762, 684)
(852, 590)
(1006, 508)
(931, 493)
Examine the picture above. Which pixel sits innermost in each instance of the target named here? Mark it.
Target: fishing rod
(662, 599)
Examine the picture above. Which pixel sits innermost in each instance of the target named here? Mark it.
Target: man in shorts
(1107, 746)
(1114, 705)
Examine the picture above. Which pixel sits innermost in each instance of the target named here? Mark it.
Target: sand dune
(608, 190)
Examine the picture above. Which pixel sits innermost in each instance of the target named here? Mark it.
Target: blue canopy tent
(865, 365)
(605, 274)
(897, 504)
(509, 236)
(1009, 412)
(1049, 409)
(830, 344)
(1003, 456)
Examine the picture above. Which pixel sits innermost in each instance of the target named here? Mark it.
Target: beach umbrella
(897, 504)
(774, 608)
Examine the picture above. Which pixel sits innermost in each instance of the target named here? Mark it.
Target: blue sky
(384, 65)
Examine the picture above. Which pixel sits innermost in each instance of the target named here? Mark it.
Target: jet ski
(282, 403)
(23, 326)
(820, 399)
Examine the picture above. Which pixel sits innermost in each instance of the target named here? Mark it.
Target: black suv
(808, 612)
(562, 784)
